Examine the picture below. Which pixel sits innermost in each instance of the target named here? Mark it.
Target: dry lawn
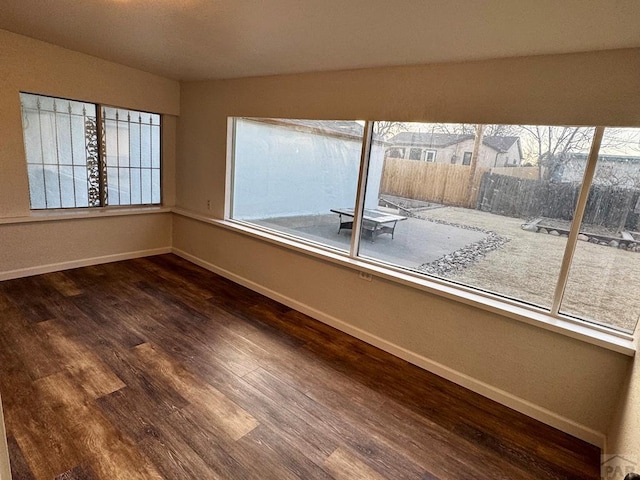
(602, 281)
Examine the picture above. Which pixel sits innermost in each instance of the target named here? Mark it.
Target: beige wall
(572, 379)
(29, 248)
(624, 433)
(33, 66)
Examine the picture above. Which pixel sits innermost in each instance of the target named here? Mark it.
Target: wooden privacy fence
(431, 182)
(610, 207)
(531, 173)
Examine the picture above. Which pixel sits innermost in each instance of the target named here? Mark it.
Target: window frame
(413, 151)
(101, 157)
(427, 152)
(552, 319)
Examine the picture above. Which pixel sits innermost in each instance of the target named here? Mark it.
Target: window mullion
(361, 190)
(577, 220)
(44, 176)
(102, 154)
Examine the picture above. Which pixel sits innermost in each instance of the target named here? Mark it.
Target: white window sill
(83, 213)
(590, 333)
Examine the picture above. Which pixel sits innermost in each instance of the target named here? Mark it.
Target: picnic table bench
(374, 222)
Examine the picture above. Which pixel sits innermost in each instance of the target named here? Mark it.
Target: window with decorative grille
(86, 155)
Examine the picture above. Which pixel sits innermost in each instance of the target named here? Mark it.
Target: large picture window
(529, 213)
(86, 155)
(606, 264)
(289, 174)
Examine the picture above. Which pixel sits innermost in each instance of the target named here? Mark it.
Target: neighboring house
(612, 170)
(496, 151)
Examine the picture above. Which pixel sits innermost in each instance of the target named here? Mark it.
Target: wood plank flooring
(157, 369)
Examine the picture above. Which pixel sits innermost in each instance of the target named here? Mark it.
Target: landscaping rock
(529, 227)
(583, 237)
(543, 230)
(614, 244)
(554, 233)
(465, 257)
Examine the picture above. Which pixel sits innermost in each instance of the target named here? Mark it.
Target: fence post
(474, 162)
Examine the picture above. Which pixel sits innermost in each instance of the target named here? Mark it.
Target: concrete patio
(416, 241)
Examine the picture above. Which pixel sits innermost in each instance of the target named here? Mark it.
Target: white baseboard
(85, 262)
(505, 398)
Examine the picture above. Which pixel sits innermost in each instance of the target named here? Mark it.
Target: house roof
(608, 158)
(336, 128)
(330, 126)
(439, 140)
(500, 143)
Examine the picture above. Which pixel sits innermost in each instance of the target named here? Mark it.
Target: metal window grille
(85, 155)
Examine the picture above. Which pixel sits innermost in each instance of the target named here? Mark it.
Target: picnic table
(374, 222)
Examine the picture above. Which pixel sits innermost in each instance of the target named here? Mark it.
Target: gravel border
(464, 257)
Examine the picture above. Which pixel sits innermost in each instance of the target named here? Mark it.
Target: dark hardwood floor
(155, 368)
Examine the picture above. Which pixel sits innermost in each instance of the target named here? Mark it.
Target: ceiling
(204, 39)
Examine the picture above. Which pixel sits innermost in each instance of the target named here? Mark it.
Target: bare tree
(618, 165)
(386, 130)
(549, 147)
(552, 148)
(454, 128)
(490, 130)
